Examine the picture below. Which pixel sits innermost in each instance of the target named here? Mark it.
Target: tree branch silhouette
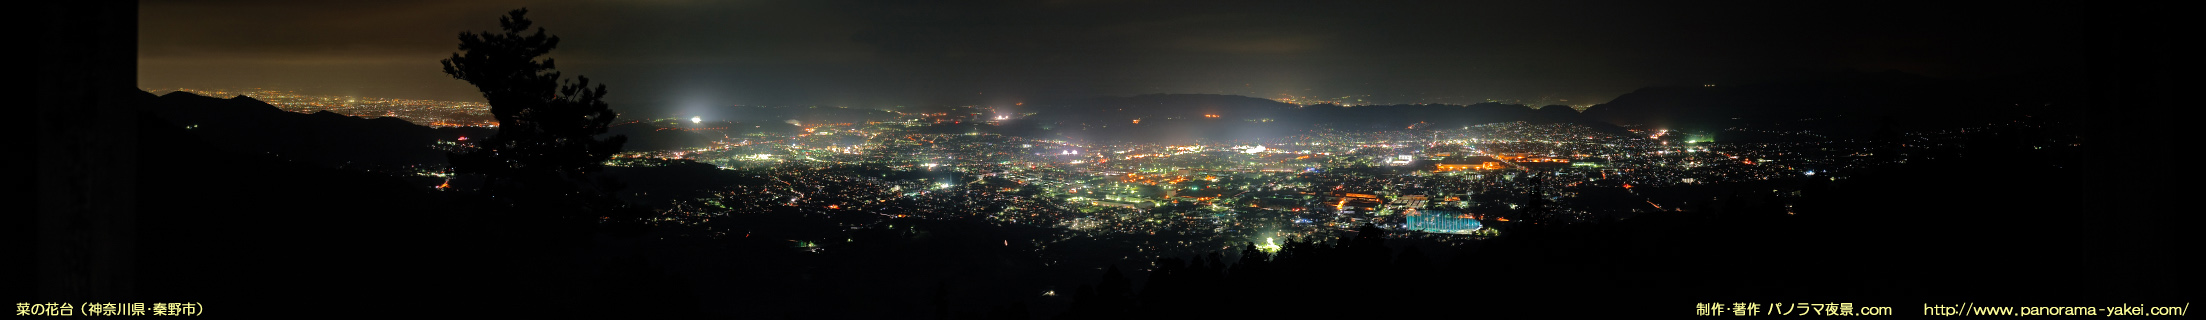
(547, 142)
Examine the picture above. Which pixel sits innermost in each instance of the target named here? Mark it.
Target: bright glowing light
(1269, 246)
(1811, 172)
(696, 119)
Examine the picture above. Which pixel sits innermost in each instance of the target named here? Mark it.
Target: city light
(1365, 168)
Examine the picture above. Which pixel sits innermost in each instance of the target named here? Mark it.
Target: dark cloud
(667, 54)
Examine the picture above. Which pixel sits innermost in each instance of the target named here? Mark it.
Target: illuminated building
(1400, 160)
(1357, 202)
(1468, 163)
(1441, 221)
(1413, 200)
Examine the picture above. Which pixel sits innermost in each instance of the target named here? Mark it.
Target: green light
(1269, 246)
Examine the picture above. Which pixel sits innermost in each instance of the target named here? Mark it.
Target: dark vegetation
(537, 168)
(247, 225)
(275, 236)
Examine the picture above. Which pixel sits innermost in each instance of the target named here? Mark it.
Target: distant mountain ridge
(322, 138)
(1836, 106)
(1839, 105)
(1913, 101)
(1185, 117)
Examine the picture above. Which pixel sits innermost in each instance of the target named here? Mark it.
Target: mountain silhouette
(1855, 100)
(322, 138)
(1191, 117)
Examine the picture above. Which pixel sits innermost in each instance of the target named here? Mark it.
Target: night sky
(670, 55)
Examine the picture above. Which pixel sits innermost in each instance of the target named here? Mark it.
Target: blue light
(1439, 221)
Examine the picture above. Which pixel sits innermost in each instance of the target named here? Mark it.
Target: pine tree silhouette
(538, 162)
